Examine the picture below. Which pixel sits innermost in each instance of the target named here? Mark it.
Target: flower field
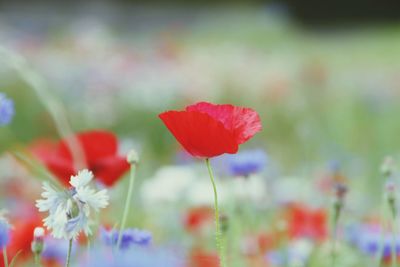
(184, 137)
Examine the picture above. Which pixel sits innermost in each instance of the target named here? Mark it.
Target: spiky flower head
(69, 210)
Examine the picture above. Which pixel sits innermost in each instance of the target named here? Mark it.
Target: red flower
(99, 149)
(201, 258)
(306, 222)
(198, 217)
(208, 130)
(21, 238)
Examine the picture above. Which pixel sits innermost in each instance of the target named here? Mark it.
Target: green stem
(127, 203)
(69, 253)
(5, 256)
(382, 239)
(50, 102)
(394, 232)
(37, 260)
(336, 213)
(218, 235)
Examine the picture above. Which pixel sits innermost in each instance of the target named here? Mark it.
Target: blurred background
(324, 76)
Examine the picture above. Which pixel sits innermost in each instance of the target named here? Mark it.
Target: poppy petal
(244, 122)
(96, 145)
(60, 166)
(200, 134)
(110, 170)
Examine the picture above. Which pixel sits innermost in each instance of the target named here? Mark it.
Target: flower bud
(38, 243)
(132, 157)
(388, 166)
(38, 233)
(390, 188)
(340, 191)
(224, 220)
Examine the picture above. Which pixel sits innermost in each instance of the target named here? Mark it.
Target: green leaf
(14, 259)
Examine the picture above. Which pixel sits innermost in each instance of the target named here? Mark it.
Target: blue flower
(246, 162)
(4, 233)
(135, 257)
(296, 253)
(369, 239)
(129, 237)
(56, 249)
(334, 165)
(6, 110)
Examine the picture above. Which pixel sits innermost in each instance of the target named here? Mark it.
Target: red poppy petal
(63, 169)
(200, 134)
(200, 258)
(244, 122)
(96, 145)
(43, 148)
(110, 170)
(197, 217)
(21, 237)
(59, 166)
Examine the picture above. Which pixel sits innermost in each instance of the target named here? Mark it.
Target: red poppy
(198, 217)
(306, 222)
(21, 238)
(99, 149)
(208, 130)
(202, 258)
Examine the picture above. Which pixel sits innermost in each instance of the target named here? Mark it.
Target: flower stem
(50, 102)
(127, 203)
(5, 256)
(37, 259)
(218, 235)
(381, 248)
(393, 253)
(337, 208)
(69, 253)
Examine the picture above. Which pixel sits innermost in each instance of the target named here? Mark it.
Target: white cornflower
(69, 210)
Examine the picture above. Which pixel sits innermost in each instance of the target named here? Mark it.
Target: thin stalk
(37, 259)
(218, 235)
(127, 203)
(382, 238)
(69, 253)
(50, 102)
(393, 253)
(336, 213)
(5, 256)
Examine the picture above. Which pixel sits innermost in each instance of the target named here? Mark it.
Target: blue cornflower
(4, 233)
(334, 165)
(297, 253)
(370, 240)
(135, 257)
(246, 162)
(55, 250)
(6, 109)
(129, 237)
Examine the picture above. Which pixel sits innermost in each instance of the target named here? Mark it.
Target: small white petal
(95, 200)
(83, 178)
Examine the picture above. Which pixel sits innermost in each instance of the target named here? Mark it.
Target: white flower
(168, 185)
(69, 210)
(82, 179)
(252, 189)
(201, 192)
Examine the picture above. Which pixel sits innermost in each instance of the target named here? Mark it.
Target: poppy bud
(390, 188)
(224, 220)
(132, 157)
(388, 166)
(340, 193)
(37, 243)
